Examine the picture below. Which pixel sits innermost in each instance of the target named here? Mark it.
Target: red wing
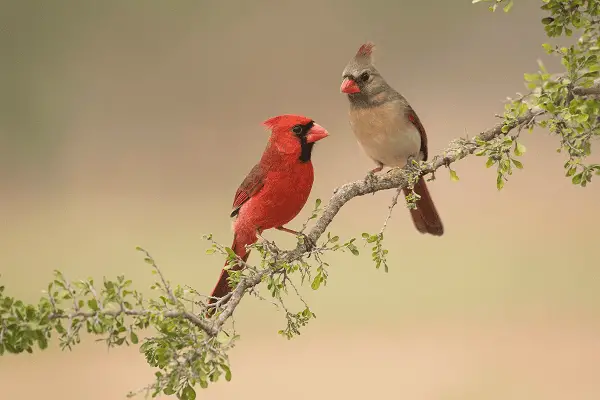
(249, 187)
(414, 119)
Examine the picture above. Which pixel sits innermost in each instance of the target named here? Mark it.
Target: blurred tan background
(132, 123)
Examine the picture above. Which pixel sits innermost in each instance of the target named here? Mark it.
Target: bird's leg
(409, 164)
(310, 243)
(259, 235)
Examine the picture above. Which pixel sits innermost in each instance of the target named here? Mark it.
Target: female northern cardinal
(388, 129)
(276, 188)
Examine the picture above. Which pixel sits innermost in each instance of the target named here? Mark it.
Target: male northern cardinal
(388, 129)
(276, 188)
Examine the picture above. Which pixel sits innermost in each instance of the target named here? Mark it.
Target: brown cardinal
(276, 188)
(388, 129)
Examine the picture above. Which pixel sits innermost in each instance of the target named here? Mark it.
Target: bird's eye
(297, 129)
(364, 76)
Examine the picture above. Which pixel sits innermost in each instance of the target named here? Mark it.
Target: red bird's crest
(366, 50)
(285, 121)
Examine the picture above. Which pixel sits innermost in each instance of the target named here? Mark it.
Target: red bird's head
(360, 79)
(295, 135)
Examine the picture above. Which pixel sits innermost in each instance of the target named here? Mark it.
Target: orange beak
(316, 133)
(349, 86)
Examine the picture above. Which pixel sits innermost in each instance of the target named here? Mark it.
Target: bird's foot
(370, 178)
(391, 170)
(310, 244)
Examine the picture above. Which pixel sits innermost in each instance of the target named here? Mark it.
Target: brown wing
(249, 187)
(414, 119)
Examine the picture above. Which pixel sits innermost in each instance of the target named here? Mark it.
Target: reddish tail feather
(222, 287)
(425, 216)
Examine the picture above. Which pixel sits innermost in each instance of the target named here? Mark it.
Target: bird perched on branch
(388, 130)
(276, 188)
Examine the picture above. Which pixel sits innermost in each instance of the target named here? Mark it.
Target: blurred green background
(127, 123)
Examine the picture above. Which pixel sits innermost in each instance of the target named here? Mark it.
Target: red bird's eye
(297, 129)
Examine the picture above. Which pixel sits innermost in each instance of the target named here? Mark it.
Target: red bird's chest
(283, 196)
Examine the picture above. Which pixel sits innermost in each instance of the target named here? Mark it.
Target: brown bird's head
(361, 81)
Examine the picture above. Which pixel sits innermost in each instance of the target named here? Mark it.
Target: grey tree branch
(395, 179)
(591, 91)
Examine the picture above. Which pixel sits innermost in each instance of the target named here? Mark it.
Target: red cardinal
(276, 188)
(388, 129)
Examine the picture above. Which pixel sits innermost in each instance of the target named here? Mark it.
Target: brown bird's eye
(297, 129)
(364, 76)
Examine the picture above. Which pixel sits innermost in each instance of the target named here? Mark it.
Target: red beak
(349, 86)
(316, 133)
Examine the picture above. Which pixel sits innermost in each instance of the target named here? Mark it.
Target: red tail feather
(222, 287)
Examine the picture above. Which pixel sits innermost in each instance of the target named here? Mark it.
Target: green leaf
(316, 283)
(577, 178)
(188, 393)
(93, 304)
(230, 252)
(547, 20)
(134, 338)
(500, 182)
(508, 6)
(227, 372)
(520, 149)
(222, 337)
(517, 163)
(169, 390)
(490, 162)
(453, 176)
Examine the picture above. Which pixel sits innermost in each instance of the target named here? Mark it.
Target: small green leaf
(316, 283)
(490, 162)
(547, 20)
(520, 149)
(517, 163)
(227, 372)
(548, 48)
(577, 178)
(134, 338)
(93, 304)
(169, 390)
(500, 182)
(222, 337)
(230, 252)
(188, 393)
(508, 6)
(453, 176)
